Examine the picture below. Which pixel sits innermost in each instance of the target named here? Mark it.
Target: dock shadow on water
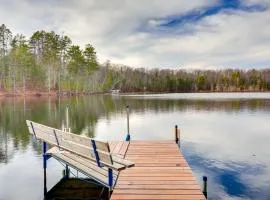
(226, 139)
(74, 188)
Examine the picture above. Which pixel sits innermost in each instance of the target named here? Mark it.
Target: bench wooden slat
(123, 149)
(102, 146)
(54, 151)
(103, 156)
(112, 145)
(122, 161)
(77, 139)
(81, 167)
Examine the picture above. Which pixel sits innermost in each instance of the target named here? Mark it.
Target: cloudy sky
(199, 34)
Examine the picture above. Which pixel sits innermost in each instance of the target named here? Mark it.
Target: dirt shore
(27, 94)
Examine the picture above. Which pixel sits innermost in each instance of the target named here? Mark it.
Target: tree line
(166, 80)
(49, 62)
(46, 61)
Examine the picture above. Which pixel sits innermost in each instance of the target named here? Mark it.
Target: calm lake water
(223, 136)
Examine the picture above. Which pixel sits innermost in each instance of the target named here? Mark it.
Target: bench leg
(67, 171)
(45, 182)
(110, 178)
(44, 149)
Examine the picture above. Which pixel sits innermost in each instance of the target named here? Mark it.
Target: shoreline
(37, 94)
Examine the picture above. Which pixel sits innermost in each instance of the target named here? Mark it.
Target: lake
(225, 136)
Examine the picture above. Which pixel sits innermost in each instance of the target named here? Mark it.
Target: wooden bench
(89, 156)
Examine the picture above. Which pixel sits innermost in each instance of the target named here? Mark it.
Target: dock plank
(160, 172)
(160, 196)
(157, 192)
(118, 147)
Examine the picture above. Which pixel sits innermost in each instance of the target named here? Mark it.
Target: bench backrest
(86, 147)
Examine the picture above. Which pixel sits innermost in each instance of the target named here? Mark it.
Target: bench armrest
(122, 161)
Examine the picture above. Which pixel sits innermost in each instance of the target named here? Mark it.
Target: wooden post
(128, 134)
(176, 135)
(205, 186)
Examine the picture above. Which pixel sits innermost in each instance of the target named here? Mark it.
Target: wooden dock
(160, 172)
(132, 170)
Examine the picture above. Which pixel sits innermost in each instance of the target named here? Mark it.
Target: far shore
(38, 94)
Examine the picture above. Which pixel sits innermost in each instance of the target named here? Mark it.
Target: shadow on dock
(79, 189)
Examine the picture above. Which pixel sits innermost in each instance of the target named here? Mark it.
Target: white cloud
(126, 31)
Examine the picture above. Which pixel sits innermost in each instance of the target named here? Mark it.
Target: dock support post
(45, 182)
(67, 172)
(205, 186)
(128, 134)
(44, 149)
(110, 178)
(177, 139)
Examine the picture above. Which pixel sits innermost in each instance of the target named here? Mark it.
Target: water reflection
(223, 138)
(230, 176)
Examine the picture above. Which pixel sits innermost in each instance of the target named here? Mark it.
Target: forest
(49, 63)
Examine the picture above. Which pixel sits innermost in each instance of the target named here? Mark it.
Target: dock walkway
(160, 172)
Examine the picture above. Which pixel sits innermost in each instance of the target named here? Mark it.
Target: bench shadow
(77, 188)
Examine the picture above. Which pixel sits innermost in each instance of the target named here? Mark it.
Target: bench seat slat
(87, 170)
(54, 151)
(122, 161)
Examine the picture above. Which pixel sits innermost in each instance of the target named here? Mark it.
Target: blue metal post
(56, 139)
(96, 153)
(128, 138)
(44, 149)
(128, 134)
(45, 182)
(110, 177)
(67, 172)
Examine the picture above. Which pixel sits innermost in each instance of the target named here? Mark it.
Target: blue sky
(199, 34)
(198, 14)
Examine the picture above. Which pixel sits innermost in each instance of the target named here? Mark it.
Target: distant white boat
(115, 91)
